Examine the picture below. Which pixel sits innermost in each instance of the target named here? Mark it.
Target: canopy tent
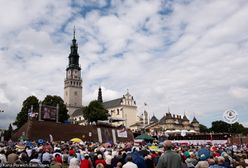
(116, 119)
(144, 137)
(22, 138)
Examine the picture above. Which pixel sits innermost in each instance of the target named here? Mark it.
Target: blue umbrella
(203, 154)
(29, 144)
(40, 141)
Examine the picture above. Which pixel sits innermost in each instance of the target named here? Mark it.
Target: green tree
(221, 126)
(53, 101)
(7, 133)
(237, 128)
(203, 128)
(95, 111)
(22, 116)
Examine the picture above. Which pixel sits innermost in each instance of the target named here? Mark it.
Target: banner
(122, 133)
(99, 133)
(48, 113)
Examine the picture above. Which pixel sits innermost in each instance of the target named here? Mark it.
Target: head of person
(86, 156)
(167, 145)
(57, 155)
(211, 161)
(221, 160)
(129, 158)
(202, 164)
(119, 165)
(99, 156)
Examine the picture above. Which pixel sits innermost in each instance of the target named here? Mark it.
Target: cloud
(239, 93)
(3, 98)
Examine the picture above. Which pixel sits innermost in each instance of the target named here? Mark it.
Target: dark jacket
(169, 159)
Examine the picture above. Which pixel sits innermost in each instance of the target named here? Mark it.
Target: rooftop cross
(74, 30)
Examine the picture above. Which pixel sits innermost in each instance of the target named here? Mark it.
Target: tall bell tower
(73, 81)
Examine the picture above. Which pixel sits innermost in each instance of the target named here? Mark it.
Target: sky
(188, 56)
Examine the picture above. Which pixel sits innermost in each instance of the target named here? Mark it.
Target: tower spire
(74, 32)
(99, 99)
(73, 56)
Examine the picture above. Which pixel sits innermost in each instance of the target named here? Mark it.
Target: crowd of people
(122, 155)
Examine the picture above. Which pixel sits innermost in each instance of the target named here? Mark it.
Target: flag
(51, 137)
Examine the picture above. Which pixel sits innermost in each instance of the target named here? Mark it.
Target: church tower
(73, 81)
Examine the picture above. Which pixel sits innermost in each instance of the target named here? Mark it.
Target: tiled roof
(165, 117)
(185, 118)
(194, 120)
(112, 103)
(78, 112)
(153, 119)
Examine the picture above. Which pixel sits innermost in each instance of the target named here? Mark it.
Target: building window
(75, 93)
(118, 112)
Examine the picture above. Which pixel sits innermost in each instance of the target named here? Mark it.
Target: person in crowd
(130, 163)
(3, 158)
(74, 162)
(55, 163)
(211, 163)
(108, 158)
(12, 157)
(118, 165)
(100, 160)
(202, 164)
(86, 163)
(34, 158)
(46, 157)
(170, 159)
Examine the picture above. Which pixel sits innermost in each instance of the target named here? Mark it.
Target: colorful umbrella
(155, 148)
(41, 141)
(20, 147)
(144, 137)
(203, 154)
(77, 140)
(22, 138)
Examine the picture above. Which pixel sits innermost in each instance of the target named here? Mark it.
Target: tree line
(223, 127)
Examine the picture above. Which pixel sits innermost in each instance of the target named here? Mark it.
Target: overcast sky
(190, 56)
